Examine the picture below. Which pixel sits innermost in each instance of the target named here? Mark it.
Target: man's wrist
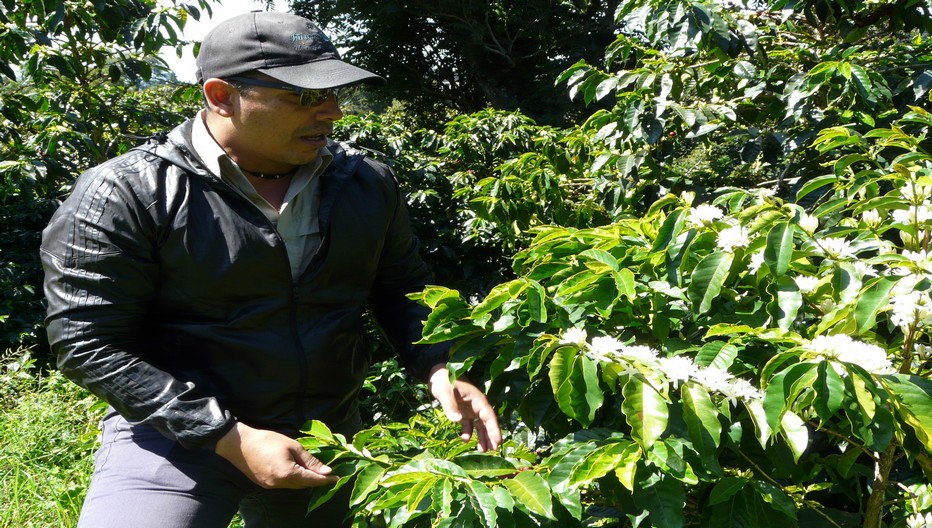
(221, 433)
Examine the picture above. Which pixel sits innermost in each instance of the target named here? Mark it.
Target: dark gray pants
(144, 480)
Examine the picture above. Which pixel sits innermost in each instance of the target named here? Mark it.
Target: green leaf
(664, 497)
(862, 80)
(671, 228)
(783, 389)
(708, 279)
(561, 464)
(322, 494)
(366, 482)
(503, 499)
(419, 491)
(601, 461)
(759, 418)
(912, 398)
(532, 493)
(789, 301)
(583, 280)
(702, 419)
(874, 297)
(796, 434)
(775, 497)
(668, 456)
(779, 249)
(624, 281)
(494, 300)
(830, 391)
(442, 497)
(601, 256)
(645, 411)
(626, 470)
(484, 465)
(318, 429)
(483, 501)
(725, 488)
(716, 354)
(575, 383)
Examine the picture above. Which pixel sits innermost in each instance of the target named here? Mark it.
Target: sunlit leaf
(645, 411)
(708, 279)
(531, 492)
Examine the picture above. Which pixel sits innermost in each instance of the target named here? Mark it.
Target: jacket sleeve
(99, 254)
(401, 271)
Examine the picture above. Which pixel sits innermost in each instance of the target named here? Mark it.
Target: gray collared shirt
(296, 221)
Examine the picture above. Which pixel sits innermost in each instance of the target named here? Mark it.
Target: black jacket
(171, 297)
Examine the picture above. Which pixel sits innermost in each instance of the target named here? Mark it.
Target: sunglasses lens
(316, 97)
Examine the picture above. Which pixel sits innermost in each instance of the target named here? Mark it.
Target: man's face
(275, 132)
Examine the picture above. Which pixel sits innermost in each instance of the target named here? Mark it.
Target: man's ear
(220, 96)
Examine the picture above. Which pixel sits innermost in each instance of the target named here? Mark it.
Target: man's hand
(463, 402)
(272, 460)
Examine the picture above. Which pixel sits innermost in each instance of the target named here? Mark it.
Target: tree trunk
(874, 511)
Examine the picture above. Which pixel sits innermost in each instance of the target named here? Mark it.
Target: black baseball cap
(284, 46)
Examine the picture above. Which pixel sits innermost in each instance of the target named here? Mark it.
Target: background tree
(443, 56)
(709, 93)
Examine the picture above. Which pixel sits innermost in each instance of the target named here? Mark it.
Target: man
(211, 285)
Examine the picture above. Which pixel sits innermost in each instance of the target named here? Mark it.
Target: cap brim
(321, 74)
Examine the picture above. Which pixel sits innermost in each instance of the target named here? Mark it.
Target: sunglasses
(307, 97)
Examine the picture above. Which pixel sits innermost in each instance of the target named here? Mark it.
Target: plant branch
(873, 513)
(836, 434)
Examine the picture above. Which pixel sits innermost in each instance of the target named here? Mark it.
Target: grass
(49, 431)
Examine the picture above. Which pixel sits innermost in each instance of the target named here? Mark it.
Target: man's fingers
(311, 462)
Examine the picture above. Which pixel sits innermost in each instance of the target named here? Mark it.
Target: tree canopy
(464, 56)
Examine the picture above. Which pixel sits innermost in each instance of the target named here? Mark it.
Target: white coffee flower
(574, 336)
(836, 248)
(843, 348)
(677, 368)
(871, 218)
(911, 307)
(732, 237)
(915, 193)
(604, 348)
(863, 269)
(806, 284)
(917, 257)
(704, 214)
(640, 353)
(740, 389)
(714, 379)
(808, 223)
(923, 352)
(757, 260)
(919, 520)
(913, 215)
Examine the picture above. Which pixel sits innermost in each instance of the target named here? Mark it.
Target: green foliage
(478, 186)
(765, 80)
(763, 359)
(469, 55)
(49, 430)
(74, 95)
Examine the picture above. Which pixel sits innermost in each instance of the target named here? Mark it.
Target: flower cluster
(733, 237)
(836, 248)
(919, 520)
(910, 308)
(676, 369)
(841, 348)
(704, 214)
